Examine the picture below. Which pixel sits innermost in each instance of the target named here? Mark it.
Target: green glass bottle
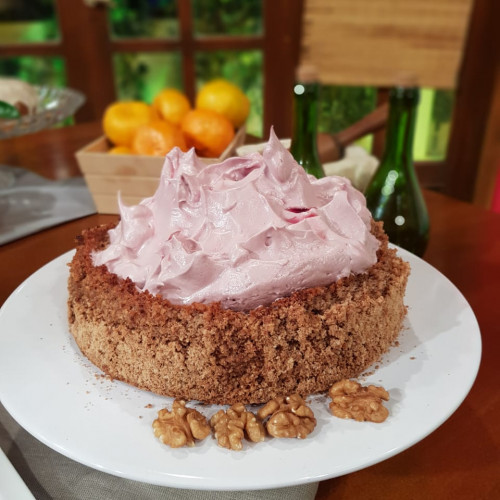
(304, 147)
(393, 194)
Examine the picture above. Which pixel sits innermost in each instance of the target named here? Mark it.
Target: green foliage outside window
(140, 76)
(227, 17)
(441, 115)
(343, 106)
(35, 70)
(136, 18)
(28, 21)
(27, 10)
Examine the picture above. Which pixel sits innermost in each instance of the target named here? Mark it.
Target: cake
(237, 282)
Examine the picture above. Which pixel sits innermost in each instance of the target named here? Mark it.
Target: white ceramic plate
(65, 402)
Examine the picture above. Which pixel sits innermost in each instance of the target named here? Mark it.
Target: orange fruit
(121, 120)
(120, 150)
(171, 105)
(226, 98)
(158, 138)
(207, 131)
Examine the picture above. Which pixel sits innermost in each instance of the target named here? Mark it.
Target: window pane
(144, 18)
(433, 125)
(35, 70)
(25, 21)
(340, 107)
(243, 68)
(230, 17)
(142, 75)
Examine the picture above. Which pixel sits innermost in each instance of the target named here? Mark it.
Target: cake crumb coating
(302, 343)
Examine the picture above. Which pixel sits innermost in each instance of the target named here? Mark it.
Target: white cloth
(357, 165)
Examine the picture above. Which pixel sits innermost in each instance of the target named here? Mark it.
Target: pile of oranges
(135, 127)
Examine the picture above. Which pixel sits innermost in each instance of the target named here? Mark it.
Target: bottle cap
(306, 73)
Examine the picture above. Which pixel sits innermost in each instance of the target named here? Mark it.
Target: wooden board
(379, 42)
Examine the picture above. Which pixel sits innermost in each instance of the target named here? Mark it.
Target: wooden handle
(331, 147)
(368, 124)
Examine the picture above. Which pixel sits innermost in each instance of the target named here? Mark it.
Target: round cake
(237, 283)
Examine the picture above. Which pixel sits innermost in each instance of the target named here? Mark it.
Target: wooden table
(461, 459)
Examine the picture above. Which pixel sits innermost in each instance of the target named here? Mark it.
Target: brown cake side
(298, 344)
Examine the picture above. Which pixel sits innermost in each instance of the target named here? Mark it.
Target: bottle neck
(401, 127)
(305, 119)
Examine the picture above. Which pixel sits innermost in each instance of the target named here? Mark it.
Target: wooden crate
(134, 176)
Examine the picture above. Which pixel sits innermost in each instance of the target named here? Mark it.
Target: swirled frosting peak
(243, 232)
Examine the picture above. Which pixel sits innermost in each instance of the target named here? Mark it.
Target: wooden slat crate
(134, 176)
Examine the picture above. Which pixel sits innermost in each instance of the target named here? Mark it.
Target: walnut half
(352, 400)
(289, 417)
(181, 426)
(231, 426)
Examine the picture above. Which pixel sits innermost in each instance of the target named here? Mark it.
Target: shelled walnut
(231, 426)
(352, 400)
(289, 417)
(181, 426)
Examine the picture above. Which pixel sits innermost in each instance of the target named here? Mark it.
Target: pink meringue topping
(243, 232)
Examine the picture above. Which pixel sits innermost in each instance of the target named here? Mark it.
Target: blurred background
(131, 49)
